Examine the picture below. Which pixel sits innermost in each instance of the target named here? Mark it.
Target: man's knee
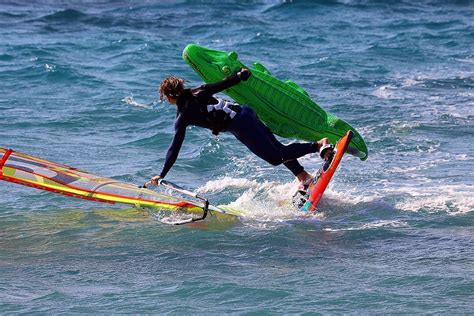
(275, 161)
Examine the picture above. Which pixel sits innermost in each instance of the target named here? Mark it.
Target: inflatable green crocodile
(284, 107)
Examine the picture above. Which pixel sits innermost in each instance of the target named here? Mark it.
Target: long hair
(171, 86)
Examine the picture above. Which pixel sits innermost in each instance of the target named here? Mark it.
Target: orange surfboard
(316, 189)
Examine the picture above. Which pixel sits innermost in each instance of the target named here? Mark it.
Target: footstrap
(323, 149)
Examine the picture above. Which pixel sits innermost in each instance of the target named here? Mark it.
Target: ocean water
(394, 234)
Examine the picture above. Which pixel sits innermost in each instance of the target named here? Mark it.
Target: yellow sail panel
(46, 175)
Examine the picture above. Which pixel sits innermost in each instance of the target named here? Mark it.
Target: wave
(372, 225)
(388, 92)
(286, 5)
(270, 201)
(149, 17)
(452, 199)
(9, 15)
(268, 204)
(66, 15)
(259, 201)
(412, 86)
(6, 57)
(129, 100)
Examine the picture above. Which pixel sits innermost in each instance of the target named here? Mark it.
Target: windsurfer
(198, 106)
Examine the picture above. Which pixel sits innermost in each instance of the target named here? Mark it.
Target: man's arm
(226, 83)
(173, 150)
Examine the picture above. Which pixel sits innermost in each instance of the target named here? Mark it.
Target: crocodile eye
(226, 70)
(233, 56)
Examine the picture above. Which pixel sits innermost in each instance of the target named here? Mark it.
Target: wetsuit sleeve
(173, 150)
(216, 87)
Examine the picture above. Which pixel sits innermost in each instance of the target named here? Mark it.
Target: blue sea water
(395, 232)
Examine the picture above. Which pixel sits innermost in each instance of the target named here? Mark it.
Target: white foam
(227, 182)
(453, 199)
(462, 157)
(403, 125)
(410, 82)
(347, 198)
(460, 113)
(129, 100)
(386, 92)
(266, 203)
(373, 225)
(468, 60)
(420, 166)
(50, 68)
(260, 201)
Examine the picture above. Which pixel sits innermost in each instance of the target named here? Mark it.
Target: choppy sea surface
(394, 233)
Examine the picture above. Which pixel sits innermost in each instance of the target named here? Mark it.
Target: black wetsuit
(199, 107)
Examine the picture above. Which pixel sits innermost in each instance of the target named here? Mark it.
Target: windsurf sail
(45, 175)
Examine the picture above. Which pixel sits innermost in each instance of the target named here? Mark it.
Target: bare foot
(304, 177)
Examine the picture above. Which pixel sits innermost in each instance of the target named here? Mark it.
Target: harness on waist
(221, 114)
(229, 108)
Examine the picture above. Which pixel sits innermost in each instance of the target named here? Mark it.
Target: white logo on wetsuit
(222, 105)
